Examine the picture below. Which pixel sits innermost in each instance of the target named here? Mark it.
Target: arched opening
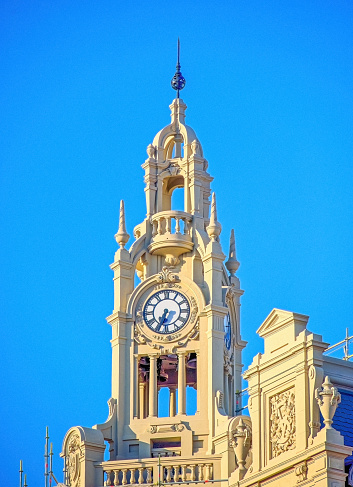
(174, 147)
(178, 199)
(170, 186)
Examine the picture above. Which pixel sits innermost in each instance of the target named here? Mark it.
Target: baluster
(187, 227)
(149, 475)
(183, 472)
(136, 470)
(108, 479)
(177, 224)
(154, 228)
(168, 222)
(192, 474)
(159, 228)
(140, 479)
(124, 480)
(116, 477)
(208, 471)
(168, 477)
(176, 473)
(201, 471)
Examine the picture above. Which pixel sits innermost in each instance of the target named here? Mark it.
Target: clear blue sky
(85, 86)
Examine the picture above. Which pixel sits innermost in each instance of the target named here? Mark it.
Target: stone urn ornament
(328, 398)
(241, 443)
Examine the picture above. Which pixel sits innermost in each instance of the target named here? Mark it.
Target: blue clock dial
(166, 311)
(227, 331)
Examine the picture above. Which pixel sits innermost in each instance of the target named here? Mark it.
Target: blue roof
(343, 419)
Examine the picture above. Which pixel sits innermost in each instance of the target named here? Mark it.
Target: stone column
(147, 388)
(181, 383)
(153, 386)
(226, 392)
(142, 400)
(172, 401)
(135, 388)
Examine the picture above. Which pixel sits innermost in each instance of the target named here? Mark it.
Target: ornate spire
(178, 81)
(214, 228)
(122, 236)
(232, 264)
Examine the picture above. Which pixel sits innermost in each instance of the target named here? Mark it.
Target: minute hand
(162, 319)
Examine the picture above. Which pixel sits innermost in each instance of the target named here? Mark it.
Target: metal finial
(178, 80)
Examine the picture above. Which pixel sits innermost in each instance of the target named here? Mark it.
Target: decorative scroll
(166, 275)
(194, 309)
(282, 422)
(301, 472)
(73, 454)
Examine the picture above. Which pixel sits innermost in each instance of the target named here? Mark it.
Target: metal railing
(342, 344)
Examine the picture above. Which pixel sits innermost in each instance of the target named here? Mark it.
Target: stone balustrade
(171, 233)
(170, 470)
(170, 222)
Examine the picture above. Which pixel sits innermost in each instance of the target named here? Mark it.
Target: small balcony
(171, 233)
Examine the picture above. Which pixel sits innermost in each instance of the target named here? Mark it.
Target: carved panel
(282, 422)
(73, 454)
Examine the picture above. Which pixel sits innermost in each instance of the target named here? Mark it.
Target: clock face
(166, 311)
(227, 331)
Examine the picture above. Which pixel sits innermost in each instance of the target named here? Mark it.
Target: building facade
(176, 343)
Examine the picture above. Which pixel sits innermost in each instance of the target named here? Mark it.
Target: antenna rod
(46, 456)
(21, 473)
(51, 463)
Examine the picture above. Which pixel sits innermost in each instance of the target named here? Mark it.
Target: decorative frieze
(282, 422)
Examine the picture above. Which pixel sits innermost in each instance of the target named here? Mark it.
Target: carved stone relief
(166, 275)
(282, 422)
(301, 472)
(73, 453)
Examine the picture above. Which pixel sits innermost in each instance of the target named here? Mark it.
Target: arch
(188, 134)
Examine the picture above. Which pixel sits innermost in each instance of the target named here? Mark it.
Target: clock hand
(162, 319)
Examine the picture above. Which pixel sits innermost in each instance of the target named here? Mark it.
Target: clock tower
(176, 343)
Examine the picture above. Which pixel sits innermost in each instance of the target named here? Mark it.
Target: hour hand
(162, 319)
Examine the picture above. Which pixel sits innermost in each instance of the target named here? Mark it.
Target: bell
(191, 361)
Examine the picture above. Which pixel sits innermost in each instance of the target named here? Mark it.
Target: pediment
(279, 319)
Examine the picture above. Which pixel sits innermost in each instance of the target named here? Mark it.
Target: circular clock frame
(167, 311)
(144, 333)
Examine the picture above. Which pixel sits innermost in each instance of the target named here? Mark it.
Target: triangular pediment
(279, 318)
